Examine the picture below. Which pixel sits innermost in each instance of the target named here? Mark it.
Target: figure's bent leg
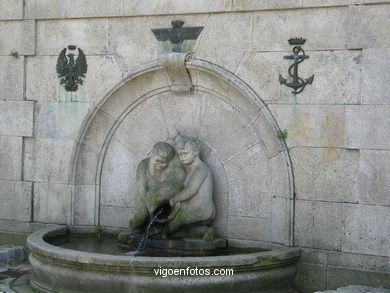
(179, 220)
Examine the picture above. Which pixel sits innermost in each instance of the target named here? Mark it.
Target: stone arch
(251, 166)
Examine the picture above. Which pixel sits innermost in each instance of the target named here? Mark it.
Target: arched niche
(250, 164)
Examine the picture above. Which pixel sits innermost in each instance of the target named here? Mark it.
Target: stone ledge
(10, 254)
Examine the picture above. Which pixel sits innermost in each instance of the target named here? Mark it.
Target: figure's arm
(195, 182)
(141, 178)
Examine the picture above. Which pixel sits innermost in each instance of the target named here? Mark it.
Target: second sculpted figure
(193, 207)
(179, 177)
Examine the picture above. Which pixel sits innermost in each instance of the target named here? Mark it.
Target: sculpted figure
(193, 207)
(158, 179)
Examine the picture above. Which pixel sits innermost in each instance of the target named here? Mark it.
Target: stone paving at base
(8, 274)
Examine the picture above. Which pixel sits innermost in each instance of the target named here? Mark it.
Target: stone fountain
(182, 160)
(178, 182)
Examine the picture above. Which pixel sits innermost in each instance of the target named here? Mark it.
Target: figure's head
(188, 150)
(162, 153)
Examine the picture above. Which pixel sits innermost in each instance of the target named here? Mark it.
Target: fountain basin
(57, 269)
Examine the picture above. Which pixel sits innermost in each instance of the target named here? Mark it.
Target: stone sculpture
(194, 204)
(158, 179)
(176, 179)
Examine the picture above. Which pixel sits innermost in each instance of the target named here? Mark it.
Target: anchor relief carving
(298, 84)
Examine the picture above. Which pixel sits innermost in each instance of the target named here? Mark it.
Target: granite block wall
(338, 128)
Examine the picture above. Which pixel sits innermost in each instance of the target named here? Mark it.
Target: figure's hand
(172, 202)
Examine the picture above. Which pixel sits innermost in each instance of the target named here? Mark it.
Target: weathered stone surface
(362, 232)
(174, 64)
(22, 40)
(131, 131)
(239, 5)
(16, 118)
(367, 26)
(375, 88)
(249, 228)
(84, 204)
(94, 8)
(280, 169)
(149, 84)
(359, 261)
(220, 223)
(104, 72)
(220, 191)
(11, 157)
(52, 202)
(323, 28)
(11, 9)
(90, 35)
(125, 42)
(311, 125)
(256, 70)
(236, 125)
(11, 78)
(42, 83)
(220, 184)
(119, 101)
(310, 277)
(15, 197)
(253, 109)
(318, 224)
(115, 216)
(327, 174)
(48, 160)
(281, 213)
(338, 277)
(216, 42)
(242, 172)
(212, 83)
(60, 120)
(232, 93)
(314, 256)
(177, 115)
(45, 9)
(367, 127)
(374, 177)
(118, 184)
(98, 130)
(337, 77)
(12, 226)
(87, 162)
(150, 7)
(266, 129)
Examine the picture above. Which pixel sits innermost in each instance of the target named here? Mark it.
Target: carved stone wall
(337, 128)
(250, 164)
